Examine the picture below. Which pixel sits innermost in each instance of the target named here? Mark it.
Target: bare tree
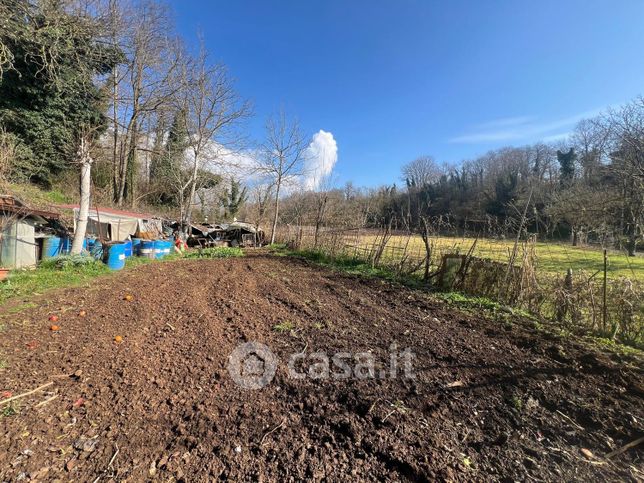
(421, 172)
(213, 109)
(626, 150)
(282, 156)
(145, 83)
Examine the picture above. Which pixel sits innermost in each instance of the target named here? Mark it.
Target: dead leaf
(456, 384)
(587, 453)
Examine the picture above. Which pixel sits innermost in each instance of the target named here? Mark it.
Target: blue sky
(392, 80)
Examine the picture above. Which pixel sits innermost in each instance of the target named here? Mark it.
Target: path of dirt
(489, 401)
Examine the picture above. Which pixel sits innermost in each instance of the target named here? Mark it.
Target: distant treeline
(589, 187)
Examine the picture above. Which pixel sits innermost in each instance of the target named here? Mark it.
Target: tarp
(118, 227)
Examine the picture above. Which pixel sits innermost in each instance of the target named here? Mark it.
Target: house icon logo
(252, 365)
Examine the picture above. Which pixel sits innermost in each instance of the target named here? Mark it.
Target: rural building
(22, 232)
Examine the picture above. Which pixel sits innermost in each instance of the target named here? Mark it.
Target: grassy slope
(551, 257)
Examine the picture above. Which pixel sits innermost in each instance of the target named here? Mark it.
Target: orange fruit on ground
(82, 313)
(54, 328)
(128, 297)
(118, 339)
(53, 318)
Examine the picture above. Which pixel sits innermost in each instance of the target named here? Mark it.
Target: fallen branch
(5, 401)
(626, 447)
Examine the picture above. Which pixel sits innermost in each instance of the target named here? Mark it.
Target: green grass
(285, 326)
(9, 410)
(36, 197)
(24, 283)
(551, 257)
(215, 252)
(61, 272)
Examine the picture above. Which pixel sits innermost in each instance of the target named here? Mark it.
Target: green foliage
(50, 275)
(233, 199)
(166, 166)
(215, 252)
(66, 262)
(10, 410)
(49, 97)
(567, 166)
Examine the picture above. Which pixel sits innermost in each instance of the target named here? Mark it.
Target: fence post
(604, 308)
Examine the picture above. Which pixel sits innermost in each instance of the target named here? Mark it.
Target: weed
(318, 325)
(285, 326)
(9, 410)
(516, 402)
(215, 252)
(3, 364)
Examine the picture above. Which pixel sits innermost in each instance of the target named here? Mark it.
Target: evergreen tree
(166, 168)
(233, 199)
(48, 93)
(567, 166)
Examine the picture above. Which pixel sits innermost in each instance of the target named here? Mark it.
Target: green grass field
(551, 257)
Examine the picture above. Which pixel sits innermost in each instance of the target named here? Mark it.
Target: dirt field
(489, 401)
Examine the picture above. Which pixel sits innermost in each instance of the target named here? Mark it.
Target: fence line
(549, 280)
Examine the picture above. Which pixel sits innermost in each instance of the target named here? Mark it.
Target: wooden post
(604, 308)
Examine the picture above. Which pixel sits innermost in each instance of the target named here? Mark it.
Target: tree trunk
(85, 188)
(277, 207)
(193, 186)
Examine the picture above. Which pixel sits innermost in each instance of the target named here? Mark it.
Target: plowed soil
(490, 400)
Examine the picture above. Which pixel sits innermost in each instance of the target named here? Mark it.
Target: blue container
(146, 249)
(167, 247)
(96, 250)
(158, 248)
(66, 245)
(128, 248)
(136, 244)
(114, 256)
(52, 247)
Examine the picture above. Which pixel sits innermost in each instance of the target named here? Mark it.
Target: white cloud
(523, 128)
(320, 158)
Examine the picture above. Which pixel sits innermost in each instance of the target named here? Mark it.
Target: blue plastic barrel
(136, 244)
(158, 248)
(52, 247)
(167, 247)
(128, 248)
(96, 249)
(146, 248)
(66, 245)
(114, 256)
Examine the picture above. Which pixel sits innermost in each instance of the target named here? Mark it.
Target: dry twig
(5, 401)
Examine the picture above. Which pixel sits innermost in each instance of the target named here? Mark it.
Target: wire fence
(589, 288)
